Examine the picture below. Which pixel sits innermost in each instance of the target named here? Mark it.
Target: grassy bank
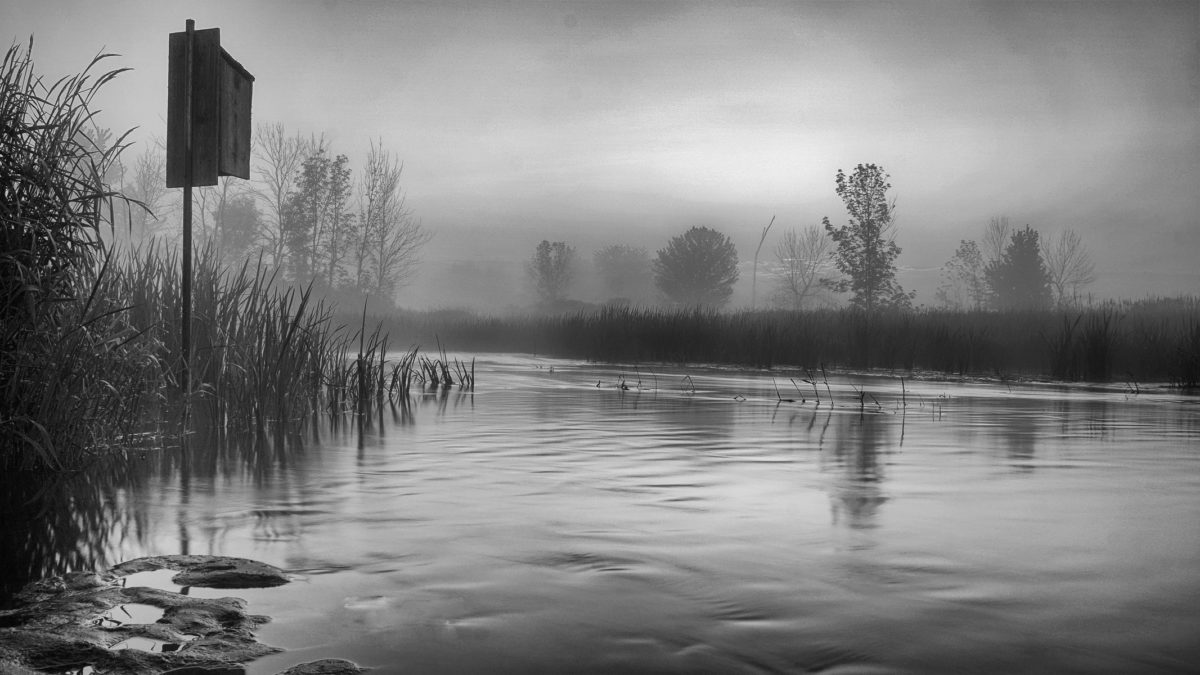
(1144, 341)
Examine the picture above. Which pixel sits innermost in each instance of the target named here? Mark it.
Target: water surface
(568, 517)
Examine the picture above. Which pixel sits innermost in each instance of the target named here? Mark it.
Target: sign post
(208, 135)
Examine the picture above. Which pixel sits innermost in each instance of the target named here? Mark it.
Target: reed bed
(73, 369)
(263, 356)
(90, 348)
(1152, 340)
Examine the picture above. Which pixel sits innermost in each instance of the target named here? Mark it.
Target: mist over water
(586, 518)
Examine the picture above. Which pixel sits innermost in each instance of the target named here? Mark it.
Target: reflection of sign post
(208, 132)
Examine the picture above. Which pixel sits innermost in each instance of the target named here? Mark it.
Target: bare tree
(996, 239)
(387, 238)
(279, 160)
(1069, 266)
(754, 279)
(964, 284)
(147, 184)
(801, 254)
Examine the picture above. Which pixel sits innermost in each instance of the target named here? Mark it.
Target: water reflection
(55, 523)
(852, 460)
(51, 524)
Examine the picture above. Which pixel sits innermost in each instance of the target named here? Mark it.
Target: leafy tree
(551, 270)
(698, 267)
(624, 271)
(1019, 280)
(802, 254)
(1069, 266)
(866, 250)
(317, 220)
(963, 283)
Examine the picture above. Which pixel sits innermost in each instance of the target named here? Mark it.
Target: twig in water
(687, 379)
(780, 396)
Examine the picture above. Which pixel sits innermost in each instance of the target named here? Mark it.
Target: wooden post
(208, 136)
(187, 208)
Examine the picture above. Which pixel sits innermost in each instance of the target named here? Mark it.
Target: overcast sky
(609, 122)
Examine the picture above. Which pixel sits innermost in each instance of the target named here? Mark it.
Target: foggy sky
(611, 122)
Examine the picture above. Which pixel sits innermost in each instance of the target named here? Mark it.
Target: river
(574, 517)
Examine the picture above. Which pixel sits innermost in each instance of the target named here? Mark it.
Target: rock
(325, 667)
(56, 623)
(208, 571)
(207, 670)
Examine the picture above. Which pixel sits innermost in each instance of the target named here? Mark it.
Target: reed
(73, 370)
(1147, 340)
(90, 336)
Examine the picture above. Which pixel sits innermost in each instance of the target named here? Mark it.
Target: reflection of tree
(1018, 435)
(855, 493)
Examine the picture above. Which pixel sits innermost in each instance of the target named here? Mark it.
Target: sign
(220, 111)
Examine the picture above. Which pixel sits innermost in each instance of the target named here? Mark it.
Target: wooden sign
(220, 111)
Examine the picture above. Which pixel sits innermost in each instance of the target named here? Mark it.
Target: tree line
(305, 212)
(1011, 270)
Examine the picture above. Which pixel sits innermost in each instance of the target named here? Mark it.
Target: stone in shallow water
(58, 623)
(325, 667)
(208, 571)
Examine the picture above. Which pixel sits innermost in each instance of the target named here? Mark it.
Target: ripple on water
(585, 562)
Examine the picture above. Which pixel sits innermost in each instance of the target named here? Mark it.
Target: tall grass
(72, 368)
(90, 349)
(1150, 340)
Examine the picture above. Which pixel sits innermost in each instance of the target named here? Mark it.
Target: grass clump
(73, 371)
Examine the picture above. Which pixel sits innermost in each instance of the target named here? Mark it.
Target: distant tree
(387, 238)
(963, 283)
(237, 225)
(551, 270)
(1019, 280)
(866, 249)
(317, 221)
(996, 237)
(698, 267)
(217, 222)
(624, 271)
(802, 254)
(1069, 266)
(147, 183)
(279, 158)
